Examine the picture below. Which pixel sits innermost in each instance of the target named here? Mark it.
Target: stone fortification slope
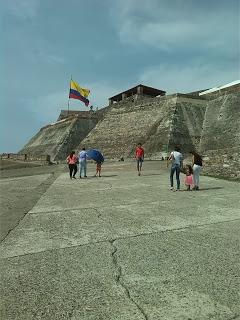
(58, 139)
(220, 141)
(187, 122)
(180, 125)
(129, 122)
(159, 123)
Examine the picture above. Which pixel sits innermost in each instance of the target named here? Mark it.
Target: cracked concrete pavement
(123, 247)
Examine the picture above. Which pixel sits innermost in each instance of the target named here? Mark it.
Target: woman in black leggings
(72, 164)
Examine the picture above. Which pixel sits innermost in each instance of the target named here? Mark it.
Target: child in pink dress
(189, 177)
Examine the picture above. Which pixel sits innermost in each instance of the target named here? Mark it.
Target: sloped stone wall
(220, 140)
(221, 127)
(187, 123)
(59, 139)
(158, 123)
(222, 162)
(124, 125)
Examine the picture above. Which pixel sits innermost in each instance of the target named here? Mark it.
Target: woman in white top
(197, 166)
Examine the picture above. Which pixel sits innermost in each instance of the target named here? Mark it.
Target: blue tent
(95, 155)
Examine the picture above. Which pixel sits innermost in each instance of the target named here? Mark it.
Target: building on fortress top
(139, 90)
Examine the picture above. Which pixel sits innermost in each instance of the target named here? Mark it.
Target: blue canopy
(95, 155)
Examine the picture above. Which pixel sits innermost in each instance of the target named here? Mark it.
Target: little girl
(98, 169)
(189, 177)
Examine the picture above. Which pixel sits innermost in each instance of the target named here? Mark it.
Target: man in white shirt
(83, 162)
(177, 159)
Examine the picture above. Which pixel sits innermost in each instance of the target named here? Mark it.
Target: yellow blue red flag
(76, 92)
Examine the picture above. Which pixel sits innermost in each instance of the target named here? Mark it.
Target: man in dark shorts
(139, 155)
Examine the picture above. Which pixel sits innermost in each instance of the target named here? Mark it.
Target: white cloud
(22, 8)
(41, 56)
(175, 26)
(186, 78)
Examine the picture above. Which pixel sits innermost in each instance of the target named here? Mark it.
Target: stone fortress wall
(220, 139)
(208, 122)
(59, 138)
(159, 123)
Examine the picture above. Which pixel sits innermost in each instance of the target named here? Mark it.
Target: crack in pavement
(127, 237)
(119, 279)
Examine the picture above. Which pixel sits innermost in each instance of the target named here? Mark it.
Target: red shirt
(139, 153)
(72, 160)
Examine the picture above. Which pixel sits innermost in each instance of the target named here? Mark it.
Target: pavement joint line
(45, 184)
(124, 238)
(82, 208)
(90, 207)
(119, 279)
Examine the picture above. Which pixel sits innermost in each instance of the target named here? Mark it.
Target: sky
(107, 46)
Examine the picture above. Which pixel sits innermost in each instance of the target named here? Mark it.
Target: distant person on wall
(83, 163)
(72, 164)
(197, 166)
(139, 156)
(176, 157)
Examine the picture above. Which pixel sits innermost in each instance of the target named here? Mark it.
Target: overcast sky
(107, 46)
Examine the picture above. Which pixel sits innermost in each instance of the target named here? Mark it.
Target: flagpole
(68, 96)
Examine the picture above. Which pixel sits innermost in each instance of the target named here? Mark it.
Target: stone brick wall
(187, 123)
(220, 140)
(159, 123)
(221, 127)
(98, 114)
(59, 139)
(223, 162)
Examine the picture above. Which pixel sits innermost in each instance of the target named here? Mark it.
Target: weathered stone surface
(221, 128)
(158, 123)
(208, 123)
(60, 138)
(220, 141)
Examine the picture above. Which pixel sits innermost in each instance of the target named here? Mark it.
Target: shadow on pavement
(204, 189)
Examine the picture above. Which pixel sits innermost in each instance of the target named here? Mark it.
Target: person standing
(83, 163)
(72, 164)
(189, 177)
(98, 169)
(177, 159)
(139, 156)
(197, 166)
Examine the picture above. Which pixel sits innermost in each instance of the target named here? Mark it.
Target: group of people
(73, 161)
(192, 171)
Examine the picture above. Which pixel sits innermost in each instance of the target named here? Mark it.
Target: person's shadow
(207, 188)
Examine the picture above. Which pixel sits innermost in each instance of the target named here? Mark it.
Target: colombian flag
(76, 92)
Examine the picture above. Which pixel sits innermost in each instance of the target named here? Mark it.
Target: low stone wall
(223, 163)
(25, 157)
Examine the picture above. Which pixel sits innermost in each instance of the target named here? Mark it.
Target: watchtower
(139, 90)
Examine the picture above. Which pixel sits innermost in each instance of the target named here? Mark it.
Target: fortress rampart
(207, 121)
